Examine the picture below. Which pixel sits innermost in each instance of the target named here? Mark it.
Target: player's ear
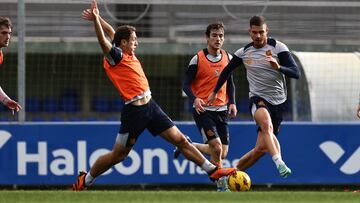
(123, 42)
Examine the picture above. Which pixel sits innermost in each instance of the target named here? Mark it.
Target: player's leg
(263, 114)
(106, 161)
(276, 116)
(174, 136)
(206, 123)
(225, 151)
(129, 131)
(203, 148)
(161, 124)
(252, 156)
(263, 119)
(102, 164)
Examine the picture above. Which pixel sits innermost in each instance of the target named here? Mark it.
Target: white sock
(277, 160)
(207, 166)
(89, 179)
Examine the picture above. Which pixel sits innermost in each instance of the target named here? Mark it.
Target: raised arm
(104, 43)
(87, 15)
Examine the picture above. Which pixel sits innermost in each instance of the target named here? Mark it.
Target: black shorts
(213, 124)
(275, 111)
(135, 119)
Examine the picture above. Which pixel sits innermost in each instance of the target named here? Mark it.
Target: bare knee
(266, 127)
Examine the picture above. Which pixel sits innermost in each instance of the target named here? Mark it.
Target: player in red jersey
(127, 75)
(5, 35)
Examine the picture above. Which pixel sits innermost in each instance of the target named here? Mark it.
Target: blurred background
(64, 79)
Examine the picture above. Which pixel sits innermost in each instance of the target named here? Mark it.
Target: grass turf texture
(57, 196)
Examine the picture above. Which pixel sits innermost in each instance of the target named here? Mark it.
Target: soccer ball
(239, 181)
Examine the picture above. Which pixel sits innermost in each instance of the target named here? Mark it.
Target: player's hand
(199, 105)
(358, 111)
(211, 98)
(87, 15)
(94, 9)
(273, 62)
(13, 106)
(232, 111)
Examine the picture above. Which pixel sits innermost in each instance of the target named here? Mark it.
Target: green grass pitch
(114, 196)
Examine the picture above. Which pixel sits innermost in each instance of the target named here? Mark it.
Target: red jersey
(1, 57)
(128, 77)
(207, 76)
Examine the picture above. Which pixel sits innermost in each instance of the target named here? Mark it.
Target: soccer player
(127, 75)
(5, 35)
(200, 79)
(267, 62)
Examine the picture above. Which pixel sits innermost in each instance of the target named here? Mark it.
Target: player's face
(259, 35)
(5, 35)
(216, 39)
(131, 44)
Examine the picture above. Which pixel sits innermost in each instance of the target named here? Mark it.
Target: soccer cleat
(177, 151)
(222, 184)
(221, 172)
(284, 170)
(80, 182)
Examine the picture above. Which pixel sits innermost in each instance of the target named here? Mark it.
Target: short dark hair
(214, 26)
(257, 20)
(5, 21)
(123, 32)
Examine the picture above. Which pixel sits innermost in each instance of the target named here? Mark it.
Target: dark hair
(4, 21)
(214, 26)
(123, 32)
(257, 20)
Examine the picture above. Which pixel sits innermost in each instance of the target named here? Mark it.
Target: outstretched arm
(104, 43)
(225, 74)
(87, 15)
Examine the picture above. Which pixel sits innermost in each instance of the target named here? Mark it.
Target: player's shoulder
(194, 60)
(243, 49)
(278, 45)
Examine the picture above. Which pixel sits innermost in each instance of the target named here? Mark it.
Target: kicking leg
(102, 164)
(174, 136)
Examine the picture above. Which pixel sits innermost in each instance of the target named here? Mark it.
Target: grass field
(57, 196)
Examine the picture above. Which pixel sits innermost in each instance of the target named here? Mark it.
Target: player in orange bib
(141, 111)
(200, 79)
(5, 35)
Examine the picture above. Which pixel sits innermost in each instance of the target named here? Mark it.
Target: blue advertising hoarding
(53, 153)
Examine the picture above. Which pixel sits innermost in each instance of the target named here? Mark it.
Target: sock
(277, 160)
(207, 166)
(89, 179)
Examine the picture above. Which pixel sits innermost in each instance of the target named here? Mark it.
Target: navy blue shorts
(135, 119)
(275, 111)
(213, 124)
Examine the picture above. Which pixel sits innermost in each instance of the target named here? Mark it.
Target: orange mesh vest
(1, 57)
(128, 77)
(207, 76)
